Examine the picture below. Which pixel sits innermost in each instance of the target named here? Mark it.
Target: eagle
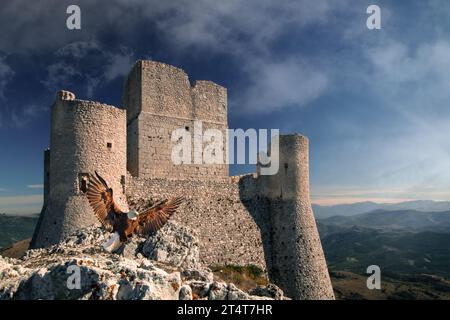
(124, 224)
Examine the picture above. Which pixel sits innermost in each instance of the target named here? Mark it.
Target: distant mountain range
(322, 212)
(395, 220)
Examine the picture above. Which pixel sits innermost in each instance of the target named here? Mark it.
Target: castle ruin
(266, 221)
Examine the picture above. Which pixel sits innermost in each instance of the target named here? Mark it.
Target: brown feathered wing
(156, 217)
(101, 199)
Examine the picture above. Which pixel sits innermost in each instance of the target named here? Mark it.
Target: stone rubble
(163, 267)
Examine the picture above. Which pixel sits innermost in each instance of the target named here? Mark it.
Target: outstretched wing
(101, 199)
(156, 217)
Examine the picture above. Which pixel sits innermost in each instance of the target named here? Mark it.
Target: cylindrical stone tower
(298, 264)
(86, 136)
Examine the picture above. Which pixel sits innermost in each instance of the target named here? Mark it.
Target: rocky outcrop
(162, 267)
(176, 246)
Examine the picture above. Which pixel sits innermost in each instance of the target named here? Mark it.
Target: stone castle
(266, 221)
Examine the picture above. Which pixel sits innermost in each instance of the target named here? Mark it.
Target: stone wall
(298, 263)
(230, 218)
(163, 103)
(85, 137)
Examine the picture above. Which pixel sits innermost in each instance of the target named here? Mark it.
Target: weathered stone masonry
(85, 136)
(250, 219)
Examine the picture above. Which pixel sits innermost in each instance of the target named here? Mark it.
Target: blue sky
(374, 103)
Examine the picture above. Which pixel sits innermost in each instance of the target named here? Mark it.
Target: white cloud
(244, 29)
(35, 186)
(332, 195)
(22, 117)
(78, 50)
(275, 86)
(118, 64)
(247, 30)
(26, 204)
(88, 64)
(410, 83)
(396, 63)
(235, 25)
(6, 73)
(203, 22)
(59, 75)
(28, 199)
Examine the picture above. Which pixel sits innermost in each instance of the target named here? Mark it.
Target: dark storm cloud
(243, 30)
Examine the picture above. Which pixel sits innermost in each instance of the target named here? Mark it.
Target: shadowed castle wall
(85, 136)
(298, 263)
(229, 233)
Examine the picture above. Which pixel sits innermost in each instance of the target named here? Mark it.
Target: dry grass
(351, 286)
(244, 277)
(17, 250)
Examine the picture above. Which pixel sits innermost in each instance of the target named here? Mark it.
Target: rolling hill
(403, 241)
(15, 228)
(355, 248)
